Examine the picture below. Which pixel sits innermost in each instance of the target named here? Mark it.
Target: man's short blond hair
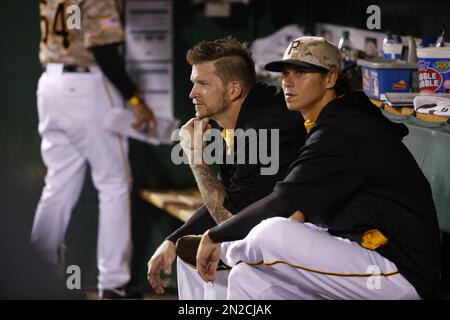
(233, 60)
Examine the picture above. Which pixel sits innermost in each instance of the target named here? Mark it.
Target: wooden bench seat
(181, 204)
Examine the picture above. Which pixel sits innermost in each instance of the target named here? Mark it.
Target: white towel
(438, 106)
(120, 120)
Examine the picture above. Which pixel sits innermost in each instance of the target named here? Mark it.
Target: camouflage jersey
(70, 27)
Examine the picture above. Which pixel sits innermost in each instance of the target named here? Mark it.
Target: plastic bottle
(391, 47)
(412, 50)
(440, 40)
(348, 53)
(387, 41)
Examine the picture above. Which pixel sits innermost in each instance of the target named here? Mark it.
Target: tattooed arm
(213, 192)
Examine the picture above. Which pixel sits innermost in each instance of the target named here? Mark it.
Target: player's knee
(268, 229)
(56, 192)
(54, 183)
(112, 181)
(117, 187)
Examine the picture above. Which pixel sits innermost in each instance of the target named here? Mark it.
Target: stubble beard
(211, 113)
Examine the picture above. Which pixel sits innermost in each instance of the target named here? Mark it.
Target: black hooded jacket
(263, 108)
(354, 175)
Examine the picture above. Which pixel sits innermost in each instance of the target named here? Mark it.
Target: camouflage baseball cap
(312, 53)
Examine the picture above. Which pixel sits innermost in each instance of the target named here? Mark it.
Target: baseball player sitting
(224, 89)
(371, 229)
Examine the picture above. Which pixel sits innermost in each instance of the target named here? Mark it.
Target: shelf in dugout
(397, 111)
(432, 118)
(401, 111)
(406, 111)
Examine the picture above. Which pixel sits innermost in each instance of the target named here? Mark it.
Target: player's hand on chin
(208, 256)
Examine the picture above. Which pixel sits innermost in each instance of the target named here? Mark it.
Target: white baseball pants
(284, 259)
(192, 287)
(71, 109)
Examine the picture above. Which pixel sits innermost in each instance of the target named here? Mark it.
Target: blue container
(383, 75)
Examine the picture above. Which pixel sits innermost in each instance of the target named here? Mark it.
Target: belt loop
(54, 68)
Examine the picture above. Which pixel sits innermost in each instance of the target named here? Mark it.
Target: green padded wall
(430, 146)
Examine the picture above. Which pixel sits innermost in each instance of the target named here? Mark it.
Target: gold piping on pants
(321, 272)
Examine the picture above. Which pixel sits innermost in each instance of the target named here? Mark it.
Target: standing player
(73, 97)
